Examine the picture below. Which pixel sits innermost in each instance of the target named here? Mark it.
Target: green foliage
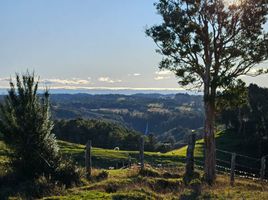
(28, 189)
(249, 121)
(68, 173)
(102, 133)
(36, 165)
(26, 127)
(235, 96)
(210, 42)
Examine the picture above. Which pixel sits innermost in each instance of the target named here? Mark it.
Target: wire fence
(245, 166)
(227, 162)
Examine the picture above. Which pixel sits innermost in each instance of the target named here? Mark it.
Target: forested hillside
(170, 117)
(249, 122)
(104, 134)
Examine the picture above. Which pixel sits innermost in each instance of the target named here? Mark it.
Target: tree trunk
(209, 138)
(240, 121)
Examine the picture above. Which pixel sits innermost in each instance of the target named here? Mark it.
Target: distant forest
(170, 118)
(119, 120)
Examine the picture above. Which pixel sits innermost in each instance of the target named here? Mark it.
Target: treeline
(249, 121)
(103, 134)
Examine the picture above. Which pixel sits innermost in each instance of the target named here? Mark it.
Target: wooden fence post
(142, 152)
(129, 161)
(189, 169)
(263, 166)
(232, 176)
(88, 162)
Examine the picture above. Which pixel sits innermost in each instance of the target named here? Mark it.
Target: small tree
(210, 43)
(26, 126)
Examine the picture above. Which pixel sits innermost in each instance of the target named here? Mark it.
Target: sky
(84, 44)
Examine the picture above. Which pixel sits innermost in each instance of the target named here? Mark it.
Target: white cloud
(72, 81)
(6, 79)
(162, 75)
(163, 72)
(134, 74)
(158, 78)
(115, 88)
(109, 80)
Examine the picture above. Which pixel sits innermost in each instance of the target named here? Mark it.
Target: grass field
(103, 158)
(128, 184)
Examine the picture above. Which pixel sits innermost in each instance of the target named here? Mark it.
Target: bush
(149, 172)
(188, 195)
(111, 187)
(29, 189)
(169, 175)
(188, 179)
(102, 175)
(165, 184)
(195, 185)
(26, 127)
(68, 173)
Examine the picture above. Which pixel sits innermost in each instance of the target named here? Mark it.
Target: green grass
(128, 184)
(225, 140)
(82, 195)
(103, 158)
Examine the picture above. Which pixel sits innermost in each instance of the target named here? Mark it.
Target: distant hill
(170, 117)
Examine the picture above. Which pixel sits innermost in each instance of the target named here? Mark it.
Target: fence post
(88, 162)
(263, 166)
(142, 152)
(232, 177)
(129, 161)
(189, 169)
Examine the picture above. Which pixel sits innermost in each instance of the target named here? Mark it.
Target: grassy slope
(224, 141)
(129, 185)
(107, 157)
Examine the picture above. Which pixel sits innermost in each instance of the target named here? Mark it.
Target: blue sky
(82, 43)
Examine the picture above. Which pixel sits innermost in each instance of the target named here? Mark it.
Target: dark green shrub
(195, 185)
(29, 189)
(111, 187)
(188, 195)
(188, 179)
(169, 175)
(167, 185)
(102, 175)
(26, 127)
(149, 172)
(67, 173)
